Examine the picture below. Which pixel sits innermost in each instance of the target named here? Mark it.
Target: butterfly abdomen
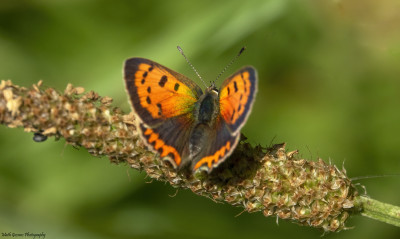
(206, 113)
(198, 140)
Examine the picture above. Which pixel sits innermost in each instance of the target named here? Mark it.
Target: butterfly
(181, 123)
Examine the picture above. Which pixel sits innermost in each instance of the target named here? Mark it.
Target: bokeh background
(328, 85)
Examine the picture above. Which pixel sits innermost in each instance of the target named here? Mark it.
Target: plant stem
(378, 210)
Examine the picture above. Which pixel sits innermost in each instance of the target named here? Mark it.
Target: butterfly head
(212, 88)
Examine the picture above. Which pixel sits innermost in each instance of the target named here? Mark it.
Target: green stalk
(378, 210)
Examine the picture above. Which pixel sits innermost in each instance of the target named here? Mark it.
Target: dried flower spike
(269, 180)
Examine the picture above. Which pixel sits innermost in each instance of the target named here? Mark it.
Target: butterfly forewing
(237, 96)
(158, 93)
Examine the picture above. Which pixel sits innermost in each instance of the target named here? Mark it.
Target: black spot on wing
(176, 87)
(149, 89)
(159, 109)
(235, 85)
(229, 90)
(148, 100)
(142, 81)
(150, 68)
(163, 80)
(145, 74)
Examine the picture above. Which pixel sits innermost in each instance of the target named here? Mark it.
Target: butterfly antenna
(187, 60)
(374, 176)
(230, 63)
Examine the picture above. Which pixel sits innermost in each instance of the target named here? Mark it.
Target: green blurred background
(328, 85)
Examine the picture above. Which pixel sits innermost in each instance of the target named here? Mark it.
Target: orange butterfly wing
(164, 101)
(237, 97)
(220, 147)
(158, 93)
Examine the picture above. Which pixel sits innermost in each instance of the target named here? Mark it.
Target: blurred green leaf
(328, 85)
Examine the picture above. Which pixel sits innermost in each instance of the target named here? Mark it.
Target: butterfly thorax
(207, 107)
(206, 114)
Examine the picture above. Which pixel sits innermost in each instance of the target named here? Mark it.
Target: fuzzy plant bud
(269, 180)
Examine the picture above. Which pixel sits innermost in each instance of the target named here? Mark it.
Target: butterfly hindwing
(220, 145)
(169, 139)
(164, 101)
(236, 97)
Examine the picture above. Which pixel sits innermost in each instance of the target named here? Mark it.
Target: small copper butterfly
(183, 124)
